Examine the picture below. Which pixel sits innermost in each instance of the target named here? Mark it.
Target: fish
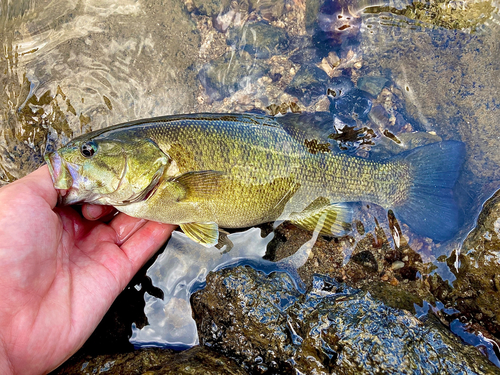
(208, 172)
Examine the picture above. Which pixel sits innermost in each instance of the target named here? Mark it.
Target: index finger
(146, 241)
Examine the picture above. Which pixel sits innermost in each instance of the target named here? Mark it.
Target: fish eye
(88, 149)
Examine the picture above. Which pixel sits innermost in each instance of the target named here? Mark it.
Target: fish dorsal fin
(337, 219)
(313, 130)
(199, 183)
(206, 234)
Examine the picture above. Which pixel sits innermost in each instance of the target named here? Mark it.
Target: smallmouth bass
(209, 171)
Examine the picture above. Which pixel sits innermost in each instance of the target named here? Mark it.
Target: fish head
(103, 170)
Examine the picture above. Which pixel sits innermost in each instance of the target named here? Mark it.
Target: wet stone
(267, 326)
(308, 84)
(198, 360)
(366, 259)
(260, 39)
(476, 291)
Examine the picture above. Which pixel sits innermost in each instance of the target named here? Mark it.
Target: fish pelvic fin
(333, 219)
(430, 208)
(206, 234)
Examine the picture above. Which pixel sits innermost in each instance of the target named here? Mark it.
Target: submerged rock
(339, 87)
(260, 39)
(308, 84)
(356, 104)
(372, 84)
(268, 9)
(231, 73)
(268, 327)
(304, 55)
(476, 290)
(210, 7)
(442, 13)
(346, 101)
(335, 28)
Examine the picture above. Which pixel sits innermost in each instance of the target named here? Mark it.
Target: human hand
(60, 272)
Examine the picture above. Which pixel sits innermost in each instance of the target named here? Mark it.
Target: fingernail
(93, 212)
(125, 231)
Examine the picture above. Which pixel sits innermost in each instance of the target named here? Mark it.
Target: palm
(59, 272)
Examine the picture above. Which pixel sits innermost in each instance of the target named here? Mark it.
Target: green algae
(468, 15)
(199, 360)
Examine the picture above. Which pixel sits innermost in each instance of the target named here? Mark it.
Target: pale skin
(60, 272)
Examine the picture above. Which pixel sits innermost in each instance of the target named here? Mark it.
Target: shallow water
(68, 68)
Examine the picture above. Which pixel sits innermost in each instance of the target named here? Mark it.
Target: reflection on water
(412, 73)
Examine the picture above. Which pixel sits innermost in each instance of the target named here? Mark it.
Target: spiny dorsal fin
(337, 219)
(206, 234)
(199, 183)
(312, 130)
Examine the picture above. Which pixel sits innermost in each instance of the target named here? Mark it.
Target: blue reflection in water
(487, 346)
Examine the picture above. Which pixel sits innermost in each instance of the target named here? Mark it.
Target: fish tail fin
(430, 208)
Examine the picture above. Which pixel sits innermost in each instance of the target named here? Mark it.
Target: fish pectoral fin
(334, 219)
(148, 191)
(199, 183)
(206, 234)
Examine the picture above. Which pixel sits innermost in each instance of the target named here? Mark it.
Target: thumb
(40, 183)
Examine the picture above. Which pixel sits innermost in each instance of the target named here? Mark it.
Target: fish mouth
(62, 178)
(60, 175)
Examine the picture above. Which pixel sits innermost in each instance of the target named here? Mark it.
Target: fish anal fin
(334, 219)
(206, 234)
